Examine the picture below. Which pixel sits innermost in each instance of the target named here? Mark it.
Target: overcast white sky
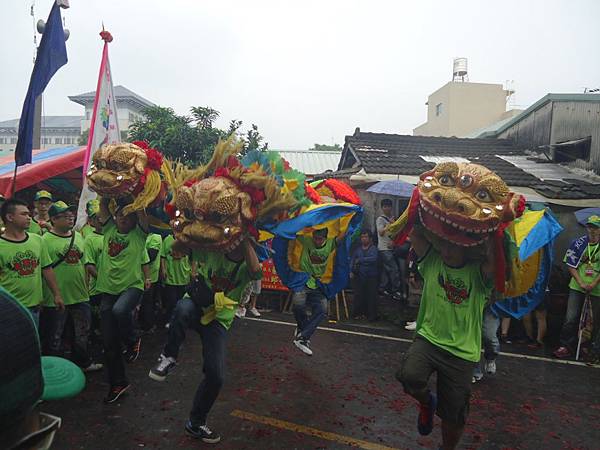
(308, 71)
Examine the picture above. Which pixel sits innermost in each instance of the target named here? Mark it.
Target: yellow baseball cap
(39, 195)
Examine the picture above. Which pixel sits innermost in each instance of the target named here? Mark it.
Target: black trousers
(365, 297)
(214, 339)
(116, 320)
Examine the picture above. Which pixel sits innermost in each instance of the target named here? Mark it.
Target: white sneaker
(93, 367)
(240, 312)
(255, 312)
(490, 366)
(303, 345)
(411, 326)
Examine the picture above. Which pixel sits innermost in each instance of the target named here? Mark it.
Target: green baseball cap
(593, 221)
(62, 378)
(39, 195)
(92, 207)
(60, 207)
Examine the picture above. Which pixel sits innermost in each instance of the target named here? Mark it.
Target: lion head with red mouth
(463, 203)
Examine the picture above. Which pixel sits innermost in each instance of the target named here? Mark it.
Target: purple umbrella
(397, 188)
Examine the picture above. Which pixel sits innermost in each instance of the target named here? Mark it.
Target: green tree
(83, 138)
(190, 139)
(327, 148)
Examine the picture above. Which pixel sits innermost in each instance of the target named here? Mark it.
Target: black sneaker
(202, 432)
(162, 369)
(115, 392)
(134, 352)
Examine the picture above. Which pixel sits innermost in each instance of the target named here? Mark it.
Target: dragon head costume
(218, 205)
(128, 173)
(462, 203)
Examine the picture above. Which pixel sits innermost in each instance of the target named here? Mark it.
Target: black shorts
(454, 377)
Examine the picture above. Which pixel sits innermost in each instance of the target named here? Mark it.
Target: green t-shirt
(590, 261)
(218, 272)
(34, 227)
(121, 260)
(452, 303)
(154, 242)
(178, 270)
(313, 260)
(21, 265)
(70, 273)
(92, 249)
(86, 230)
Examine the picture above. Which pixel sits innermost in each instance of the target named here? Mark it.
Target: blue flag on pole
(51, 56)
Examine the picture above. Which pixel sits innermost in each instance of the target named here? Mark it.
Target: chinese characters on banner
(270, 280)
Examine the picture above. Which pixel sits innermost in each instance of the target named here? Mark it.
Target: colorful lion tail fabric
(401, 228)
(335, 191)
(533, 236)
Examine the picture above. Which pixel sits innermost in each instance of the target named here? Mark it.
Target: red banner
(270, 280)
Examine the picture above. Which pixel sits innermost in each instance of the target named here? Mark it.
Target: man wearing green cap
(65, 248)
(91, 208)
(24, 259)
(40, 222)
(583, 261)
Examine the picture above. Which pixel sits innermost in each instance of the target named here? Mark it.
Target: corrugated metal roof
(547, 171)
(594, 98)
(49, 122)
(311, 162)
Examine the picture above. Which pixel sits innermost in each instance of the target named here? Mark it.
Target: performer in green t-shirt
(583, 261)
(66, 249)
(122, 274)
(316, 252)
(175, 273)
(24, 259)
(448, 339)
(211, 313)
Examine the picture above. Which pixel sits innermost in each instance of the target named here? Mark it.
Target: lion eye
(465, 181)
(483, 195)
(446, 180)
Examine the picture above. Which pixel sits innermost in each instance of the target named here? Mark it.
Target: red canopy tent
(46, 164)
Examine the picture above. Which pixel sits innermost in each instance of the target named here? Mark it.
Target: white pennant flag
(104, 127)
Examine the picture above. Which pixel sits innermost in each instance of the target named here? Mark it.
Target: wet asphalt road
(344, 395)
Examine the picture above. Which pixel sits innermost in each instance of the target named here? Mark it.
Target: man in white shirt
(385, 246)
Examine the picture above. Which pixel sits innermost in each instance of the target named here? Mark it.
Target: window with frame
(439, 109)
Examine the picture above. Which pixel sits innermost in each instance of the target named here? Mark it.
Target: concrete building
(459, 108)
(58, 131)
(562, 128)
(129, 106)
